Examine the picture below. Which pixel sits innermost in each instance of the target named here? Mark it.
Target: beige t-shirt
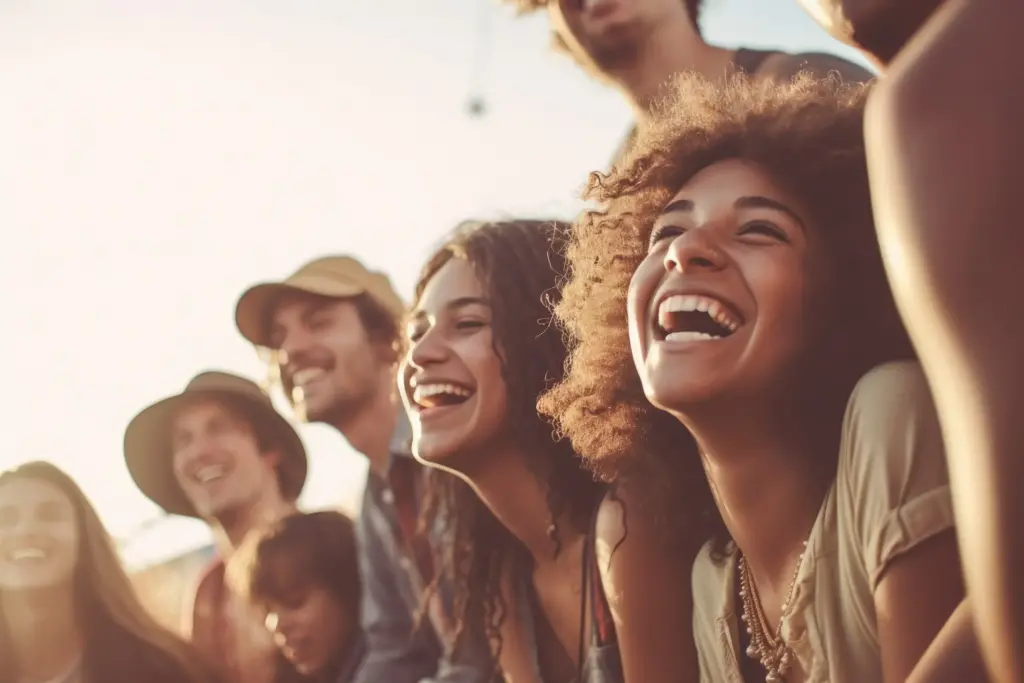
(891, 493)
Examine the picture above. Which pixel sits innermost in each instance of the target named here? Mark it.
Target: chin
(679, 398)
(437, 451)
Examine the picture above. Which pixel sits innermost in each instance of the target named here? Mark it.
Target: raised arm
(945, 143)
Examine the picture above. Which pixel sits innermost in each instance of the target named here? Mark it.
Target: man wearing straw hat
(218, 451)
(332, 329)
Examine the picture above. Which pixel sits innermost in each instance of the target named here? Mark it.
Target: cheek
(70, 542)
(781, 291)
(178, 468)
(642, 287)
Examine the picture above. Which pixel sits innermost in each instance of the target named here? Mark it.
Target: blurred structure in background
(166, 588)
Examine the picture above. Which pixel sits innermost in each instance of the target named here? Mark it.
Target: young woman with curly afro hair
(516, 519)
(772, 409)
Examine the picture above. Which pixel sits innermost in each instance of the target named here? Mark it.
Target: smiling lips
(439, 395)
(26, 554)
(304, 376)
(695, 317)
(209, 473)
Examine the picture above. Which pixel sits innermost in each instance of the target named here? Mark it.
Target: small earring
(553, 532)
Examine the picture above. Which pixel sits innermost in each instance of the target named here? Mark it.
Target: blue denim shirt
(392, 589)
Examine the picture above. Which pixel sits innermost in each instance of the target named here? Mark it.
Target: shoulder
(892, 481)
(784, 65)
(889, 404)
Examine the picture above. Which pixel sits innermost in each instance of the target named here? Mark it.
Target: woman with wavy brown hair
(734, 261)
(68, 611)
(516, 517)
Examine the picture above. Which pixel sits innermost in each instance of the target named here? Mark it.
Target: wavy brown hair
(520, 264)
(807, 134)
(123, 642)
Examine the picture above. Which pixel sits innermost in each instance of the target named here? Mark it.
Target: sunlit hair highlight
(123, 642)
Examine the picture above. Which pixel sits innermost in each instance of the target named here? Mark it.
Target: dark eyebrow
(758, 202)
(456, 304)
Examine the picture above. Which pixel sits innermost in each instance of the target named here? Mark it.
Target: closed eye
(660, 232)
(765, 228)
(415, 332)
(469, 324)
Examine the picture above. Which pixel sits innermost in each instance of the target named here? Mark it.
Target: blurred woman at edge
(69, 611)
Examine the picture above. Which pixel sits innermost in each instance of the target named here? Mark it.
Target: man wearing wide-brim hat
(333, 326)
(220, 452)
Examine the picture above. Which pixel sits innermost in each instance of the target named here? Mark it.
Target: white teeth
(27, 554)
(680, 303)
(209, 473)
(689, 336)
(306, 375)
(423, 391)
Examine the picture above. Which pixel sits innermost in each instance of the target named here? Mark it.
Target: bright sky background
(158, 157)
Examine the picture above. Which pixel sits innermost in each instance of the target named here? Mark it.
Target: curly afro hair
(807, 134)
(521, 265)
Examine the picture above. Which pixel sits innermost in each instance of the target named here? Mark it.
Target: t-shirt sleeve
(892, 466)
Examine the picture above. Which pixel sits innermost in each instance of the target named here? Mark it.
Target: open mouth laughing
(209, 473)
(695, 318)
(303, 377)
(434, 395)
(27, 555)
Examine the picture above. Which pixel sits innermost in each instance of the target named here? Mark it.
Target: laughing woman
(517, 514)
(735, 246)
(69, 611)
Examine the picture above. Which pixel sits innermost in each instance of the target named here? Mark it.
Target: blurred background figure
(638, 45)
(68, 612)
(302, 574)
(218, 451)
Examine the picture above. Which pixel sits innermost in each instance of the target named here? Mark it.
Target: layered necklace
(766, 644)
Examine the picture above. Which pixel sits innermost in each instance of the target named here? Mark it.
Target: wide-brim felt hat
(148, 448)
(334, 277)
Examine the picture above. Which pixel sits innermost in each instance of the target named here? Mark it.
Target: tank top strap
(602, 627)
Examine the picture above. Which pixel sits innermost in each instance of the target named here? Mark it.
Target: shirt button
(388, 496)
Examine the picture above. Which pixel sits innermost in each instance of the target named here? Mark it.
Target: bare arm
(945, 135)
(954, 656)
(648, 589)
(913, 600)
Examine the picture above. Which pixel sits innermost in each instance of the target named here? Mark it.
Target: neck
(767, 481)
(370, 429)
(517, 494)
(45, 637)
(672, 48)
(230, 529)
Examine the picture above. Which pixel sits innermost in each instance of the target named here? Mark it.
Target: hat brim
(149, 455)
(254, 306)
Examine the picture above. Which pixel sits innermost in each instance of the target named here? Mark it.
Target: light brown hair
(123, 642)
